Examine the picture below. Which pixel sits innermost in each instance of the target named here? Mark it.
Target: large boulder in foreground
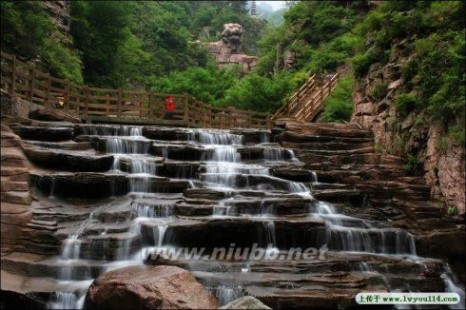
(148, 287)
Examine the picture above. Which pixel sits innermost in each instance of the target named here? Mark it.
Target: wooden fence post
(13, 75)
(119, 103)
(47, 94)
(78, 101)
(210, 121)
(151, 105)
(186, 111)
(66, 99)
(86, 102)
(31, 84)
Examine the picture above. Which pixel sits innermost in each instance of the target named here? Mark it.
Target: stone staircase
(345, 154)
(108, 196)
(15, 197)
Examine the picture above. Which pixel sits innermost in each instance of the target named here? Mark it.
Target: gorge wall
(59, 12)
(421, 141)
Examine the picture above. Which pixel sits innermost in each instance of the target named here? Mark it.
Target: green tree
(27, 31)
(100, 29)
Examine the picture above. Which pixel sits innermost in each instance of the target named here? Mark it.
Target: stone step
(255, 182)
(42, 224)
(41, 289)
(328, 129)
(41, 133)
(17, 174)
(39, 241)
(337, 195)
(290, 136)
(265, 153)
(355, 177)
(294, 174)
(60, 216)
(213, 232)
(296, 262)
(42, 266)
(99, 185)
(167, 133)
(12, 157)
(291, 291)
(190, 152)
(9, 185)
(66, 145)
(68, 161)
(340, 159)
(21, 197)
(244, 206)
(253, 136)
(121, 144)
(216, 194)
(9, 139)
(303, 151)
(331, 147)
(110, 246)
(104, 129)
(12, 208)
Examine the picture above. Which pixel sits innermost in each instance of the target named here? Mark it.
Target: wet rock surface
(72, 161)
(149, 287)
(53, 116)
(113, 196)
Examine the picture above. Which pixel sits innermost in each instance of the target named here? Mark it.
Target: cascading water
(124, 233)
(270, 234)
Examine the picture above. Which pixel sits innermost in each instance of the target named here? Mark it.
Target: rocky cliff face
(441, 162)
(60, 14)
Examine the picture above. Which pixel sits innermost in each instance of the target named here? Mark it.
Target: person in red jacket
(170, 107)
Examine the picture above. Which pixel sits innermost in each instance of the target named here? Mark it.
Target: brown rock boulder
(148, 287)
(53, 116)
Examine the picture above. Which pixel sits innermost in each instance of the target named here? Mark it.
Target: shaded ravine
(172, 188)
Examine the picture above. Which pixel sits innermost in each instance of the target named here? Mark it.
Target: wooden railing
(23, 80)
(308, 100)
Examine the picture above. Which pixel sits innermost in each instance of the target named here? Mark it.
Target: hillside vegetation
(151, 45)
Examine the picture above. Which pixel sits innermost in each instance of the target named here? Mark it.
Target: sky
(276, 5)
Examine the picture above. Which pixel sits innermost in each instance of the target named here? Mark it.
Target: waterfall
(226, 294)
(452, 286)
(232, 181)
(65, 300)
(274, 154)
(270, 234)
(161, 229)
(71, 247)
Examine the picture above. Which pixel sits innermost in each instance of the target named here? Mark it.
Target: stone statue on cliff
(232, 36)
(227, 50)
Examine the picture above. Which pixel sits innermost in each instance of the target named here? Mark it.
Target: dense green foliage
(319, 33)
(207, 84)
(339, 105)
(151, 45)
(26, 30)
(434, 73)
(121, 43)
(260, 93)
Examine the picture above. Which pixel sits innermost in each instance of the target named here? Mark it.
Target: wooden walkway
(106, 105)
(307, 101)
(92, 104)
